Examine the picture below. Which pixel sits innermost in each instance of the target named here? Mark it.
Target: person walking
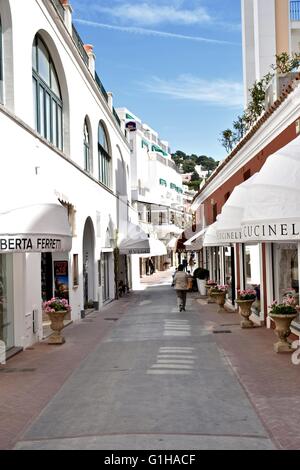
(184, 264)
(181, 287)
(151, 266)
(191, 264)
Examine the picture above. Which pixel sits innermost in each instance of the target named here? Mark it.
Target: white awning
(211, 238)
(134, 241)
(229, 228)
(156, 248)
(32, 219)
(172, 243)
(272, 211)
(195, 243)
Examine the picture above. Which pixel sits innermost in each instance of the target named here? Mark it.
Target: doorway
(88, 264)
(105, 276)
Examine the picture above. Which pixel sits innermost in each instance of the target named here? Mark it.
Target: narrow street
(157, 379)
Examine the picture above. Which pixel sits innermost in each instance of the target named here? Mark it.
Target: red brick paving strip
(270, 380)
(23, 395)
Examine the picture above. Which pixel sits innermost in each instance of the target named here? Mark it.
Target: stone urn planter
(283, 331)
(245, 312)
(56, 309)
(57, 324)
(209, 288)
(220, 299)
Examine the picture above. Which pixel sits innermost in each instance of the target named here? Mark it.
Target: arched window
(104, 157)
(1, 63)
(87, 148)
(47, 99)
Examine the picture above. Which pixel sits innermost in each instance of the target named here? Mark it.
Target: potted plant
(56, 309)
(219, 292)
(283, 314)
(209, 285)
(245, 301)
(201, 275)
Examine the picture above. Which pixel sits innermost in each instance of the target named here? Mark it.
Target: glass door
(6, 301)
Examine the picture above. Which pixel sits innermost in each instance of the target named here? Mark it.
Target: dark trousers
(181, 298)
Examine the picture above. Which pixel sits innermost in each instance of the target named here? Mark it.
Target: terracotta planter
(57, 324)
(209, 288)
(283, 331)
(220, 298)
(245, 312)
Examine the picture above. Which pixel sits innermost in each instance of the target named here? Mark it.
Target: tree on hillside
(188, 166)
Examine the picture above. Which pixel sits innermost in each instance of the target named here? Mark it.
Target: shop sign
(34, 244)
(278, 231)
(139, 251)
(233, 236)
(131, 126)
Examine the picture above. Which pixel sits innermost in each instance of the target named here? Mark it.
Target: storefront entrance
(105, 276)
(88, 264)
(6, 301)
(229, 266)
(252, 274)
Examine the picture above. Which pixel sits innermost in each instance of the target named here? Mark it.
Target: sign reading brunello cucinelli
(233, 236)
(271, 231)
(34, 244)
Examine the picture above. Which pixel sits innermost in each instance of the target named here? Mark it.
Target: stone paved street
(140, 375)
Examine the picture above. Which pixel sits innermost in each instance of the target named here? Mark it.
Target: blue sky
(177, 64)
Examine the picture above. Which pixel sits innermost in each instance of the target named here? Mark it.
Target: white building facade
(59, 131)
(157, 189)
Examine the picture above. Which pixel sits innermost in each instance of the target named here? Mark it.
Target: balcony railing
(59, 8)
(101, 87)
(295, 10)
(116, 117)
(80, 45)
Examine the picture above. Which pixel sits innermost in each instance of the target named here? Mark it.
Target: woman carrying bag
(181, 287)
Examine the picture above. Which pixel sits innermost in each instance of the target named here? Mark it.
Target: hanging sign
(131, 126)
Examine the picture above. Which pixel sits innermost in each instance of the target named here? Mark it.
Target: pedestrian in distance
(151, 266)
(181, 287)
(184, 264)
(191, 264)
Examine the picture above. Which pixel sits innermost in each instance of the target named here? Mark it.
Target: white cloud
(151, 32)
(188, 87)
(152, 14)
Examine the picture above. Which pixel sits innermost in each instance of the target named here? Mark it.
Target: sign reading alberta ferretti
(271, 231)
(34, 244)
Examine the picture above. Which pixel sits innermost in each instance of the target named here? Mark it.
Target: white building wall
(249, 68)
(27, 153)
(259, 40)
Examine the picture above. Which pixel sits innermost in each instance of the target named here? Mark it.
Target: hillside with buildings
(194, 168)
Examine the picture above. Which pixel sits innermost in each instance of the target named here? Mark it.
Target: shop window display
(252, 276)
(286, 270)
